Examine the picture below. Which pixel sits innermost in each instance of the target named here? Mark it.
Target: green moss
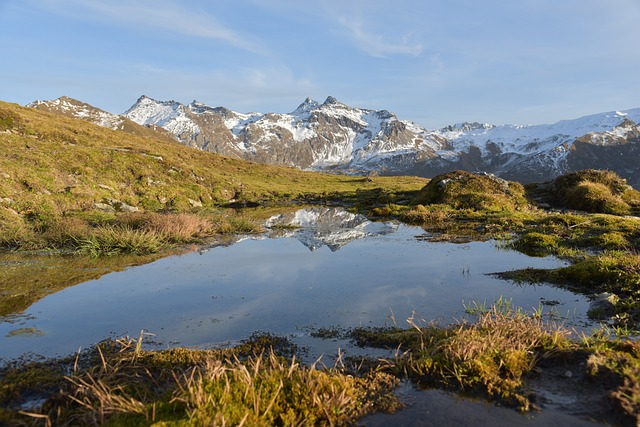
(464, 190)
(536, 244)
(594, 191)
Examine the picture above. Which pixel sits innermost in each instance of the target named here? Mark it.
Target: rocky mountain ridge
(332, 136)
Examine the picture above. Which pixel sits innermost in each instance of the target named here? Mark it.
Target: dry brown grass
(498, 350)
(490, 356)
(174, 227)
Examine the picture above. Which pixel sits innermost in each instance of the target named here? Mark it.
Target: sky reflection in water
(279, 285)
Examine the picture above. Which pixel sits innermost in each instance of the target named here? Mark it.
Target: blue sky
(432, 62)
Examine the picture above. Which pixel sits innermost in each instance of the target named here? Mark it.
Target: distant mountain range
(332, 136)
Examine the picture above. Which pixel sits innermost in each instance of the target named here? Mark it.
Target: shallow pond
(315, 268)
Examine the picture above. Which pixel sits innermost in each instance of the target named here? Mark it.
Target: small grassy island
(88, 201)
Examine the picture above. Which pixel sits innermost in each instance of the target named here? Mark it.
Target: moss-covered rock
(465, 190)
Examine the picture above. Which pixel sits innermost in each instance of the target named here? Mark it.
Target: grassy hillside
(51, 164)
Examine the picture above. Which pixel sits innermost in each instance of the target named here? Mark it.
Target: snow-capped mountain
(313, 136)
(334, 136)
(73, 108)
(541, 152)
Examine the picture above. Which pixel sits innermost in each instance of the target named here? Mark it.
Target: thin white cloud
(375, 44)
(166, 15)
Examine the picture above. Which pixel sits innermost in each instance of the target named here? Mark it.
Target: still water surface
(336, 269)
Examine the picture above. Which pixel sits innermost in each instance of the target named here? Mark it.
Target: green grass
(55, 170)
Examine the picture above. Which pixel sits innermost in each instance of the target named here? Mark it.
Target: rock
(195, 203)
(6, 200)
(151, 182)
(113, 205)
(105, 187)
(104, 207)
(5, 175)
(603, 306)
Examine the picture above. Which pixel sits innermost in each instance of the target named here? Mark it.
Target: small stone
(568, 374)
(104, 207)
(5, 175)
(195, 203)
(105, 187)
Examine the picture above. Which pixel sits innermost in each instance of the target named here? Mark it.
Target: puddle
(315, 268)
(439, 408)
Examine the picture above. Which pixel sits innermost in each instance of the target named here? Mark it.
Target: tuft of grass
(437, 215)
(119, 383)
(617, 363)
(121, 240)
(268, 391)
(596, 197)
(174, 227)
(536, 244)
(492, 355)
(596, 191)
(234, 224)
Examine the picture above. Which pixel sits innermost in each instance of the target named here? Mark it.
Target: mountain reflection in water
(333, 227)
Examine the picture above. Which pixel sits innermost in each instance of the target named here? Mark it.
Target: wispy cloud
(378, 45)
(166, 15)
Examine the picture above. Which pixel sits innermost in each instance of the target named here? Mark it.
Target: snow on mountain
(74, 108)
(534, 138)
(166, 114)
(330, 134)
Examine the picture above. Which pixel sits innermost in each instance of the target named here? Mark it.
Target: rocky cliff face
(332, 136)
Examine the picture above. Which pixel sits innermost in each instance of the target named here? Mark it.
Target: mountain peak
(467, 127)
(307, 105)
(331, 100)
(144, 98)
